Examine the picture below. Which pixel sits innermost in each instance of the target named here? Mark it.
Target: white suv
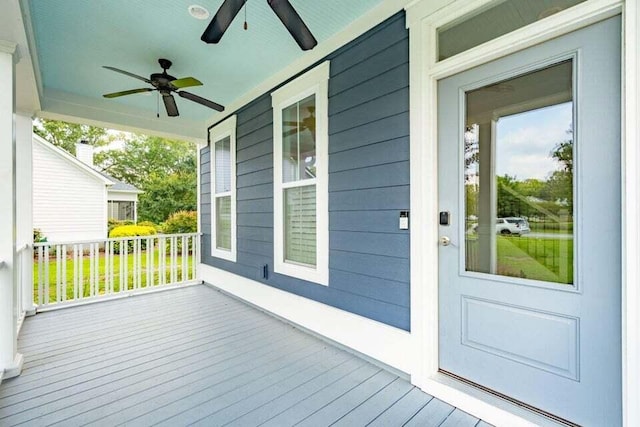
(509, 225)
(512, 225)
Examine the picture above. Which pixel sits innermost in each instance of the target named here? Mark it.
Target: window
(222, 139)
(300, 165)
(494, 20)
(121, 210)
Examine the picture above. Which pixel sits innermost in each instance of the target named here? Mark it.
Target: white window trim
(225, 129)
(312, 82)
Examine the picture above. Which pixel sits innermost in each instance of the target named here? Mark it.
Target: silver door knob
(444, 241)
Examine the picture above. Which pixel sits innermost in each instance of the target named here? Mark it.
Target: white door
(529, 185)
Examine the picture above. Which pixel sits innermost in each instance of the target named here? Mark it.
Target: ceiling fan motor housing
(164, 63)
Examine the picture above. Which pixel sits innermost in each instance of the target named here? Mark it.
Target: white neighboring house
(76, 212)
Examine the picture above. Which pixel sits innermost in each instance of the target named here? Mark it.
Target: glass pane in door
(519, 203)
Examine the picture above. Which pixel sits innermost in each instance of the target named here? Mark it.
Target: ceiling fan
(282, 8)
(166, 84)
(307, 123)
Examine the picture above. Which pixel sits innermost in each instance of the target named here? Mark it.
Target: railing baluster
(134, 263)
(58, 275)
(194, 259)
(92, 277)
(121, 247)
(149, 257)
(64, 272)
(40, 275)
(139, 266)
(185, 270)
(196, 255)
(97, 270)
(112, 268)
(134, 253)
(46, 276)
(126, 264)
(107, 278)
(174, 259)
(75, 272)
(163, 261)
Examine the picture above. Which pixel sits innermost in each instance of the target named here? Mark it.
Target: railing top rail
(114, 239)
(23, 247)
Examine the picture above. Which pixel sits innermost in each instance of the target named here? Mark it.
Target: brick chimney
(84, 152)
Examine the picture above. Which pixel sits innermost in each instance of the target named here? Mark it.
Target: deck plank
(403, 410)
(318, 400)
(343, 404)
(193, 355)
(121, 371)
(130, 353)
(260, 414)
(375, 405)
(433, 414)
(459, 418)
(189, 369)
(255, 397)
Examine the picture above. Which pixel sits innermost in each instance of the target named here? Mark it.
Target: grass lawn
(545, 259)
(67, 283)
(549, 227)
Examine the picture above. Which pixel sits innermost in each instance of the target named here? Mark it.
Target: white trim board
(357, 332)
(631, 215)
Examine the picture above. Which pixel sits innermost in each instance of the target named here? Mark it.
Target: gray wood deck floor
(194, 356)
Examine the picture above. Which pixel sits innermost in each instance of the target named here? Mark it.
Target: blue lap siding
(368, 182)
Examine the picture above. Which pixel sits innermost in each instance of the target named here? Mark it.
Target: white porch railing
(73, 272)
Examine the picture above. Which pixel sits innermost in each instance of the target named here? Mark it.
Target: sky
(525, 141)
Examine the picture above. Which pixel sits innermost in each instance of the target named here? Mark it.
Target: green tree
(67, 135)
(166, 170)
(509, 204)
(166, 194)
(559, 186)
(531, 187)
(148, 159)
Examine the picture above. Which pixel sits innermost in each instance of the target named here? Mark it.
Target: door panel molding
(560, 330)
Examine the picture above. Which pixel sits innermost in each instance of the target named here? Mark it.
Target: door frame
(423, 18)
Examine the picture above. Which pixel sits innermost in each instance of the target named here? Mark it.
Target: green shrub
(181, 222)
(113, 223)
(131, 231)
(147, 224)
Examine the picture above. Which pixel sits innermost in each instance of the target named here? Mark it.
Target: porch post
(24, 207)
(10, 359)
